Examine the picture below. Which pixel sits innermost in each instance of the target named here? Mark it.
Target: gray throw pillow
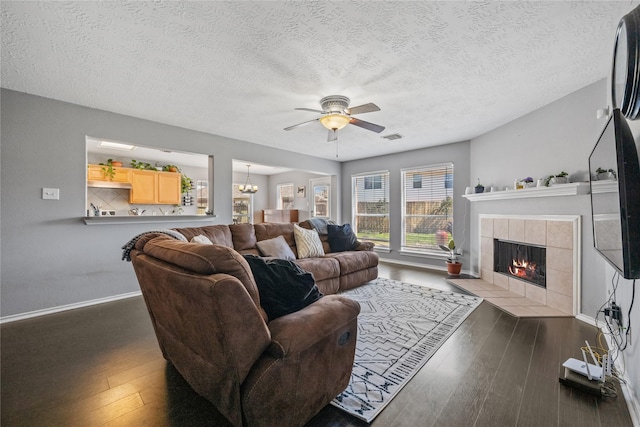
(275, 248)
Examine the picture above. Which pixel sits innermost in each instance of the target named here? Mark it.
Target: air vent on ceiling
(392, 136)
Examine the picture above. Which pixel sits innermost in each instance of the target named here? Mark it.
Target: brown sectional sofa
(335, 272)
(205, 308)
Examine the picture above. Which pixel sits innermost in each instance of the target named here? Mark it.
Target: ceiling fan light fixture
(335, 121)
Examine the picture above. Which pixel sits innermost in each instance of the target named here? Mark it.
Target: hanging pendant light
(248, 187)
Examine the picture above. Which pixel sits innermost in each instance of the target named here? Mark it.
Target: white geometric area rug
(400, 327)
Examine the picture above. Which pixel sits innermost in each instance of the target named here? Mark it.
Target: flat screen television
(614, 175)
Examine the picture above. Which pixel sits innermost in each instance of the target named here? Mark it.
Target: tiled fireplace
(559, 236)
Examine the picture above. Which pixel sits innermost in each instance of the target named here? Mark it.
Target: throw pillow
(308, 242)
(202, 239)
(276, 248)
(283, 286)
(341, 237)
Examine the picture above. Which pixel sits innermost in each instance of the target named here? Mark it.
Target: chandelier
(248, 188)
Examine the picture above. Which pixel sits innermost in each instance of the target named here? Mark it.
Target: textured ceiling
(441, 72)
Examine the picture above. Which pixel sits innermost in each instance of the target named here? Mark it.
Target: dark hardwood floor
(101, 365)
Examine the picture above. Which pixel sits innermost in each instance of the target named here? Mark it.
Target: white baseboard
(58, 309)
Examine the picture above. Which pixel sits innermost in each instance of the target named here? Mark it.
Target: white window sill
(432, 255)
(383, 250)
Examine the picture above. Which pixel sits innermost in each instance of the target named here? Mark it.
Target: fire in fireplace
(526, 262)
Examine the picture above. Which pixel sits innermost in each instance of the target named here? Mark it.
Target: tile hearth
(511, 302)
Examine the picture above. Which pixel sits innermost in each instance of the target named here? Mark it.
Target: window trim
(386, 247)
(403, 217)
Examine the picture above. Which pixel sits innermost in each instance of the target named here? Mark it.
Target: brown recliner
(205, 309)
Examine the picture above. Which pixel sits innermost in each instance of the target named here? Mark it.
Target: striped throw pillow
(308, 242)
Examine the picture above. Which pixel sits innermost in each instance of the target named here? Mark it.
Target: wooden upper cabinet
(149, 187)
(97, 173)
(169, 188)
(143, 187)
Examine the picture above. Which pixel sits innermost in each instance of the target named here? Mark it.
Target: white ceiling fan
(336, 114)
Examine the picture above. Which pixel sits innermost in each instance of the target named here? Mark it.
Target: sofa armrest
(295, 332)
(364, 246)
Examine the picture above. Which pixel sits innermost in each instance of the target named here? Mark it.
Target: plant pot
(116, 164)
(479, 189)
(559, 180)
(454, 268)
(605, 176)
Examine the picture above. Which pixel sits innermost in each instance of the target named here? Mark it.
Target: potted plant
(453, 265)
(527, 182)
(605, 175)
(141, 165)
(561, 178)
(479, 187)
(170, 168)
(108, 170)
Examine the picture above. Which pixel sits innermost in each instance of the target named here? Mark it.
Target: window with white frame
(284, 193)
(371, 207)
(427, 207)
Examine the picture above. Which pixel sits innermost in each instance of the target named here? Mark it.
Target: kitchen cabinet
(149, 187)
(280, 215)
(96, 173)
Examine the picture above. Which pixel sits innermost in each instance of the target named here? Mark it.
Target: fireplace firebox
(520, 260)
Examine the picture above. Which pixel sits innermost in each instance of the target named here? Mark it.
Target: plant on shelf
(170, 168)
(560, 178)
(606, 174)
(479, 187)
(107, 168)
(453, 265)
(187, 184)
(142, 165)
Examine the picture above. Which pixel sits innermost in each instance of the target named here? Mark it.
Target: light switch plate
(51, 193)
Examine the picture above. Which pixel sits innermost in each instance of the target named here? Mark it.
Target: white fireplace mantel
(570, 189)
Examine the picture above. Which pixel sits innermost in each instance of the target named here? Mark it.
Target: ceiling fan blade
(365, 108)
(366, 125)
(301, 124)
(333, 135)
(309, 109)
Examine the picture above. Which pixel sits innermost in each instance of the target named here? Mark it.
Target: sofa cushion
(322, 268)
(341, 237)
(284, 287)
(351, 261)
(307, 242)
(201, 259)
(276, 248)
(244, 236)
(218, 234)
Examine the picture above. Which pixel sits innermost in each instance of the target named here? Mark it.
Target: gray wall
(556, 137)
(297, 178)
(457, 153)
(50, 258)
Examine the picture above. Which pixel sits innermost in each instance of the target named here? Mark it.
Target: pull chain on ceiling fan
(336, 114)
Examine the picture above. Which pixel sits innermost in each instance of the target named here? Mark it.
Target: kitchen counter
(146, 219)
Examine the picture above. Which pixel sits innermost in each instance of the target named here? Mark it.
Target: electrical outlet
(51, 193)
(616, 313)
